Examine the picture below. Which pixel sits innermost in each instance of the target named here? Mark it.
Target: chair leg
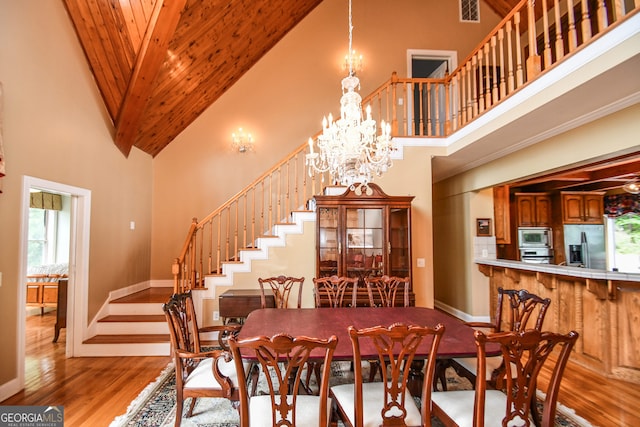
(191, 406)
(179, 403)
(464, 373)
(440, 374)
(374, 368)
(254, 373)
(313, 368)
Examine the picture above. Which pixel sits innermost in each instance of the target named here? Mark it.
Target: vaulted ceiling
(160, 63)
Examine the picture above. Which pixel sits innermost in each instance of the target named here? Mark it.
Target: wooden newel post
(533, 61)
(175, 270)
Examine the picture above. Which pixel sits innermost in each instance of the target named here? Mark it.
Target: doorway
(78, 221)
(428, 103)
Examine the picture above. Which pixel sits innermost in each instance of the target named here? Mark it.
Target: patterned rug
(155, 406)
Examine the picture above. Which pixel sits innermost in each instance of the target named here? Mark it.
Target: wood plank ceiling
(159, 64)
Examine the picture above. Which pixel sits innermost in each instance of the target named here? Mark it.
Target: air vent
(469, 11)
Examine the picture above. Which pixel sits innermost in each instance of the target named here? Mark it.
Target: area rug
(155, 406)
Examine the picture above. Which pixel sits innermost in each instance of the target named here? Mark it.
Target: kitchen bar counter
(562, 270)
(602, 306)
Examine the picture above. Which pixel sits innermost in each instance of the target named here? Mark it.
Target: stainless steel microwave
(535, 237)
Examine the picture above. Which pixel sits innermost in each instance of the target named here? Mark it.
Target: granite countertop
(588, 273)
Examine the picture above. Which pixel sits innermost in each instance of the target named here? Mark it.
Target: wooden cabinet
(363, 235)
(501, 215)
(533, 209)
(582, 207)
(42, 291)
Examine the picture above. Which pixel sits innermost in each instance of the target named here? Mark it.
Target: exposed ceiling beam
(151, 56)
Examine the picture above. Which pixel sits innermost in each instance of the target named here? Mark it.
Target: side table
(236, 304)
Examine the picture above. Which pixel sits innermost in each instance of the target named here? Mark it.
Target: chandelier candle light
(348, 148)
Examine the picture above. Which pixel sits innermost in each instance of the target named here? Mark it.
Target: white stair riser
(133, 309)
(124, 349)
(128, 328)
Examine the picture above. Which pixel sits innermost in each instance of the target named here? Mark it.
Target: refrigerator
(585, 245)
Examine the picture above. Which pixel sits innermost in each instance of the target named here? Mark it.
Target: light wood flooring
(96, 390)
(93, 390)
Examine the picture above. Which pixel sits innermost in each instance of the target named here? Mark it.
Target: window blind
(42, 200)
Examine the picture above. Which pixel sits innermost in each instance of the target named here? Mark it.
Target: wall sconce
(352, 62)
(242, 142)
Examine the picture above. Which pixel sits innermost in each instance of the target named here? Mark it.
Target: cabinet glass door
(364, 242)
(399, 255)
(328, 244)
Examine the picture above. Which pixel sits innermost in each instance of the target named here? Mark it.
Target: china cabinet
(361, 235)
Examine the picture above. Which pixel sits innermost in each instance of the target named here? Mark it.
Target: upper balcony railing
(531, 39)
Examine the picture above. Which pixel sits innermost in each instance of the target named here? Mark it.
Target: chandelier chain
(349, 148)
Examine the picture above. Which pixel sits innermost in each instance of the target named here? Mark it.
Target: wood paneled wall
(606, 313)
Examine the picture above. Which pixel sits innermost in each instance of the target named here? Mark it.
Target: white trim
(460, 314)
(78, 265)
(449, 56)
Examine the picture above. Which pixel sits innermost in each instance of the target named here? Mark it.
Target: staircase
(135, 325)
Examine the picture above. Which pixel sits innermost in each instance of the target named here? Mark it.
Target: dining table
(457, 341)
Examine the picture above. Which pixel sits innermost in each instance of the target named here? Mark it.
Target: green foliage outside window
(628, 234)
(37, 237)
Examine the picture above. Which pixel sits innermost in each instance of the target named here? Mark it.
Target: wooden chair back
(520, 306)
(527, 351)
(282, 358)
(514, 310)
(334, 290)
(281, 286)
(396, 347)
(386, 289)
(189, 356)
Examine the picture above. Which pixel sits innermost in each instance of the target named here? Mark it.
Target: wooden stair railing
(527, 42)
(506, 60)
(249, 215)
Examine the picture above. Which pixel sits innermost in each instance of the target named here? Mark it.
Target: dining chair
(331, 291)
(514, 311)
(199, 372)
(282, 357)
(281, 286)
(384, 290)
(527, 352)
(388, 402)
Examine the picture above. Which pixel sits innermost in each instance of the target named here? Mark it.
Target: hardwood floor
(93, 390)
(96, 390)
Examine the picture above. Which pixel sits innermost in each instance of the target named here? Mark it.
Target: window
(469, 11)
(42, 237)
(624, 239)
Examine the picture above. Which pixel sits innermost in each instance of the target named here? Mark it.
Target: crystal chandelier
(349, 148)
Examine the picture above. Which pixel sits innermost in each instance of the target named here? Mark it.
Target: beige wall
(461, 199)
(54, 128)
(282, 100)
